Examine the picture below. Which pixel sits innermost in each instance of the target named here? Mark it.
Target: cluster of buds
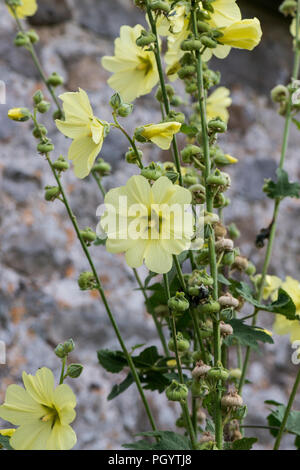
(178, 303)
(145, 39)
(120, 108)
(288, 8)
(26, 38)
(87, 281)
(152, 172)
(177, 391)
(63, 349)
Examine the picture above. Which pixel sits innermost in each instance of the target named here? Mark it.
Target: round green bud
(88, 235)
(233, 231)
(52, 193)
(203, 15)
(186, 71)
(74, 370)
(183, 344)
(207, 5)
(209, 308)
(152, 172)
(178, 303)
(228, 258)
(116, 101)
(169, 90)
(39, 132)
(61, 164)
(45, 147)
(235, 374)
(191, 44)
(202, 26)
(208, 42)
(217, 126)
(145, 39)
(251, 269)
(102, 168)
(55, 80)
(33, 36)
(131, 156)
(190, 151)
(176, 101)
(21, 40)
(38, 97)
(160, 5)
(191, 87)
(217, 373)
(279, 94)
(43, 106)
(87, 281)
(125, 110)
(69, 345)
(177, 391)
(175, 116)
(60, 351)
(57, 114)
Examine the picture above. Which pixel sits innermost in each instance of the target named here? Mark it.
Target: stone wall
(40, 303)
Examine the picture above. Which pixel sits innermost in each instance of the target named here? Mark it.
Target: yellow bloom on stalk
(134, 68)
(148, 223)
(283, 326)
(160, 134)
(18, 114)
(244, 34)
(217, 104)
(272, 284)
(173, 22)
(28, 8)
(42, 412)
(86, 130)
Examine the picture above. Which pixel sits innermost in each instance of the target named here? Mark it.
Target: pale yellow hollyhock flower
(283, 326)
(28, 8)
(217, 104)
(161, 134)
(244, 34)
(174, 52)
(225, 13)
(42, 412)
(272, 284)
(173, 22)
(86, 130)
(134, 68)
(157, 224)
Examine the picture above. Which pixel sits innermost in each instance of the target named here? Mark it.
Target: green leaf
(284, 305)
(222, 279)
(4, 442)
(247, 335)
(147, 358)
(168, 440)
(246, 443)
(120, 388)
(112, 361)
(296, 122)
(276, 418)
(100, 241)
(282, 188)
(155, 381)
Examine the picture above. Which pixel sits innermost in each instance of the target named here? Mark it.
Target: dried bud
(280, 94)
(227, 300)
(224, 244)
(200, 370)
(226, 329)
(240, 263)
(231, 400)
(220, 230)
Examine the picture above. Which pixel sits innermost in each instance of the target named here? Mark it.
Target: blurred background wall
(40, 303)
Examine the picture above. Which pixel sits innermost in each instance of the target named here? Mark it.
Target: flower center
(51, 414)
(145, 65)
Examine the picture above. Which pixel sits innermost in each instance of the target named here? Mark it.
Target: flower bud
(88, 235)
(235, 374)
(220, 230)
(208, 42)
(152, 172)
(207, 5)
(52, 193)
(191, 44)
(212, 306)
(228, 258)
(160, 5)
(177, 391)
(145, 39)
(280, 94)
(226, 329)
(175, 116)
(218, 373)
(178, 303)
(203, 27)
(87, 281)
(183, 344)
(39, 132)
(251, 269)
(21, 40)
(200, 370)
(220, 179)
(60, 351)
(116, 101)
(240, 263)
(198, 193)
(186, 71)
(233, 231)
(69, 346)
(191, 87)
(74, 370)
(131, 157)
(190, 151)
(227, 300)
(169, 90)
(61, 164)
(45, 147)
(38, 97)
(231, 400)
(197, 389)
(288, 7)
(125, 110)
(33, 36)
(102, 168)
(55, 80)
(217, 126)
(58, 114)
(176, 101)
(224, 244)
(19, 114)
(43, 106)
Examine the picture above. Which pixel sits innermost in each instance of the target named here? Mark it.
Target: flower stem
(163, 88)
(37, 63)
(211, 238)
(103, 296)
(287, 412)
(99, 182)
(179, 368)
(63, 366)
(284, 147)
(130, 140)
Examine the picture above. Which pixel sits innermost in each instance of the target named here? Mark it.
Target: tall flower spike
(134, 68)
(86, 130)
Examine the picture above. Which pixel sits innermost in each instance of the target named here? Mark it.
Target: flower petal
(19, 407)
(41, 386)
(31, 436)
(157, 259)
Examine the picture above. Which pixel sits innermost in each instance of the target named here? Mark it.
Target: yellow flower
(174, 52)
(28, 8)
(18, 114)
(173, 22)
(42, 413)
(134, 69)
(86, 130)
(172, 363)
(160, 134)
(7, 432)
(244, 34)
(217, 104)
(151, 224)
(272, 284)
(225, 13)
(282, 326)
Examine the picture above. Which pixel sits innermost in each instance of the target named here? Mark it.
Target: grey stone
(51, 13)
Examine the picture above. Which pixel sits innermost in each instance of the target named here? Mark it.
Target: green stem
(163, 89)
(287, 411)
(130, 140)
(103, 296)
(179, 368)
(156, 321)
(277, 202)
(37, 63)
(211, 239)
(63, 366)
(99, 182)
